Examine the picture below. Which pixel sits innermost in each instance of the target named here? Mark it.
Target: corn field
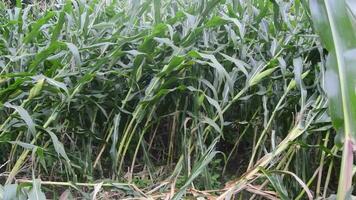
(178, 99)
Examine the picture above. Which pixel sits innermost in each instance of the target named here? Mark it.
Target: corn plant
(161, 99)
(334, 22)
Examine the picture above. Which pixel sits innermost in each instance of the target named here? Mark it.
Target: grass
(162, 99)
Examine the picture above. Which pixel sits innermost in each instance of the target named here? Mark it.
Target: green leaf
(44, 54)
(58, 146)
(241, 65)
(36, 192)
(57, 84)
(37, 26)
(173, 64)
(24, 116)
(75, 53)
(10, 192)
(215, 22)
(222, 73)
(24, 145)
(198, 168)
(333, 91)
(60, 22)
(277, 184)
(334, 25)
(157, 10)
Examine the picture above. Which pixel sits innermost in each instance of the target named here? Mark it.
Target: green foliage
(168, 97)
(334, 22)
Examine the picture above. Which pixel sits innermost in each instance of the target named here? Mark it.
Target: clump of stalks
(163, 99)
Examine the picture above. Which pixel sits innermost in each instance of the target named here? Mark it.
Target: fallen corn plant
(163, 99)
